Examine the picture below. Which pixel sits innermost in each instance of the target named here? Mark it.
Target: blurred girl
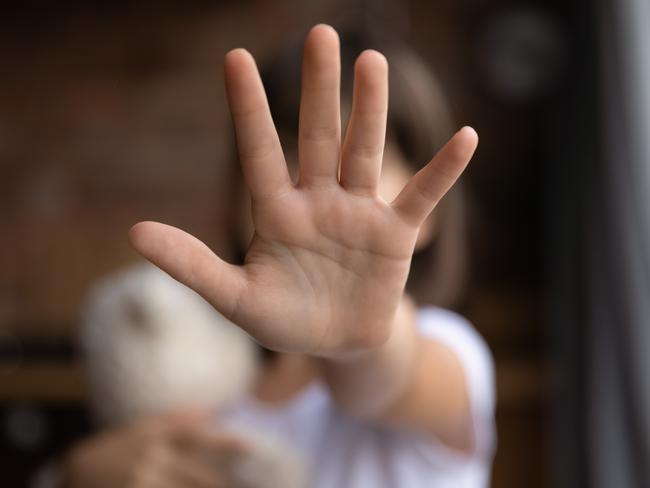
(372, 389)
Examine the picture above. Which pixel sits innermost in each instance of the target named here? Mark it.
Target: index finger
(258, 144)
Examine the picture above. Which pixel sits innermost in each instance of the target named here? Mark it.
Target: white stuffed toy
(152, 345)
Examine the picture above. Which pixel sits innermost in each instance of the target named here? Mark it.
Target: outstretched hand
(327, 266)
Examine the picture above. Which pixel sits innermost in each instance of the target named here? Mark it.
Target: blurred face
(395, 173)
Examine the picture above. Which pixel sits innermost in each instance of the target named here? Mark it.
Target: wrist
(376, 337)
(400, 336)
(368, 382)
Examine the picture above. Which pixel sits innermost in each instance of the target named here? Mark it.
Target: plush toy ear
(151, 345)
(137, 316)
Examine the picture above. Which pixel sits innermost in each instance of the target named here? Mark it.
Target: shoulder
(457, 333)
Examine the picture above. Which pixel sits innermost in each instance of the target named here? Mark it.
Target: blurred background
(113, 113)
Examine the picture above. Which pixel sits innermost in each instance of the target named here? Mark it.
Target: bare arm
(409, 381)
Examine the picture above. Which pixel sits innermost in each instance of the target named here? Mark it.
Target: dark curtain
(599, 238)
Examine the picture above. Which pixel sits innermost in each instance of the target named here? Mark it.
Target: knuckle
(426, 193)
(364, 151)
(244, 111)
(325, 133)
(259, 150)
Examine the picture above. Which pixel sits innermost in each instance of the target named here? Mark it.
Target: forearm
(409, 381)
(367, 384)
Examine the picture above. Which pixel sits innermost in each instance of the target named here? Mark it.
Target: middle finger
(320, 116)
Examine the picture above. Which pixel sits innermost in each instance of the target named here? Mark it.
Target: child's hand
(172, 450)
(329, 259)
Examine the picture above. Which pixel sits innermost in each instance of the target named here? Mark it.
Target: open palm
(329, 259)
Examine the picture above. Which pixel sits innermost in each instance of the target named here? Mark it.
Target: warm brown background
(110, 115)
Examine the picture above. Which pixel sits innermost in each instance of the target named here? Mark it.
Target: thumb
(190, 261)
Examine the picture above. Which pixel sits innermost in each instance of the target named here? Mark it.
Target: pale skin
(169, 451)
(323, 279)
